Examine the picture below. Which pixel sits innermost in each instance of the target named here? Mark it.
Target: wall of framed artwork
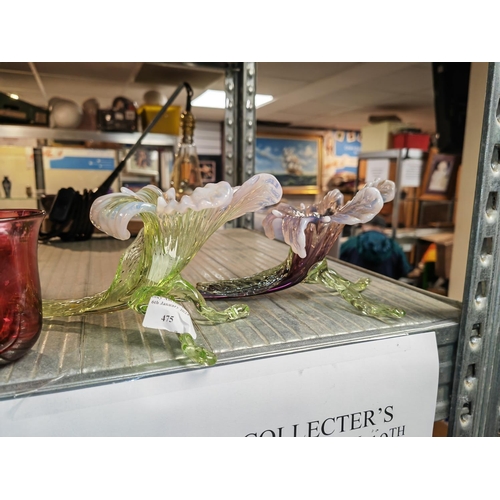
(295, 160)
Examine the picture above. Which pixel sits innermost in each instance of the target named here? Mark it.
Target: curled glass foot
(351, 293)
(179, 290)
(314, 276)
(195, 352)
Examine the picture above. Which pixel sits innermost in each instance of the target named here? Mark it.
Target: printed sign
(411, 173)
(378, 388)
(377, 169)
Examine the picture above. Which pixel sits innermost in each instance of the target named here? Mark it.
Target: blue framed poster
(341, 152)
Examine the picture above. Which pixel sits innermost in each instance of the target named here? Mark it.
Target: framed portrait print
(440, 176)
(143, 162)
(295, 160)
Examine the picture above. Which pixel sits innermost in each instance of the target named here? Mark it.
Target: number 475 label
(165, 314)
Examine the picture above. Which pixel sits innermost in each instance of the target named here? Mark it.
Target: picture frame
(135, 185)
(210, 168)
(341, 150)
(440, 176)
(144, 161)
(295, 160)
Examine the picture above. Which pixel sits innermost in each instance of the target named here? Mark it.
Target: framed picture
(210, 168)
(143, 162)
(440, 176)
(294, 160)
(135, 185)
(341, 149)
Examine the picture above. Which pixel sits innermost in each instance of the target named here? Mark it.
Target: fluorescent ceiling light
(217, 99)
(262, 100)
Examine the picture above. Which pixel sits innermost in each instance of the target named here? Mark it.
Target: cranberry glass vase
(20, 294)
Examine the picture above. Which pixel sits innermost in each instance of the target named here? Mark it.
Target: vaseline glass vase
(174, 231)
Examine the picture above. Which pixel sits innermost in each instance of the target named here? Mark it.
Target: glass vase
(311, 232)
(20, 293)
(173, 232)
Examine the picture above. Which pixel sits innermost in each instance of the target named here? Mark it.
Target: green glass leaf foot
(237, 311)
(321, 273)
(195, 352)
(351, 293)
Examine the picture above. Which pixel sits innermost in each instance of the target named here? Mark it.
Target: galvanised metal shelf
(45, 133)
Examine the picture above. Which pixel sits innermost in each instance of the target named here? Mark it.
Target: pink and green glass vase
(311, 232)
(174, 231)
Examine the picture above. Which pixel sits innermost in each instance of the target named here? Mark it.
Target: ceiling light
(262, 100)
(13, 96)
(217, 99)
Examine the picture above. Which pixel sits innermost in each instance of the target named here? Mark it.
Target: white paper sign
(379, 388)
(165, 314)
(411, 172)
(377, 169)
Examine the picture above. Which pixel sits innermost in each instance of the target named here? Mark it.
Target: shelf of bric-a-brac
(25, 169)
(7, 203)
(17, 132)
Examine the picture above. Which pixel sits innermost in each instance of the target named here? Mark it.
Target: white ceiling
(306, 95)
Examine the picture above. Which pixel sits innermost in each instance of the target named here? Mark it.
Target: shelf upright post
(39, 174)
(401, 153)
(475, 403)
(239, 129)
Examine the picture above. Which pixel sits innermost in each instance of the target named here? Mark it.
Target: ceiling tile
(276, 86)
(107, 71)
(313, 107)
(15, 66)
(357, 96)
(305, 72)
(154, 74)
(406, 81)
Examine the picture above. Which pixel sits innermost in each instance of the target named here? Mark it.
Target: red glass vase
(20, 293)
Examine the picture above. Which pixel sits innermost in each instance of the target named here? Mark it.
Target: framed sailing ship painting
(295, 160)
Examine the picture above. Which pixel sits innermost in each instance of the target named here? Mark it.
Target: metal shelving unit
(475, 405)
(469, 340)
(240, 128)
